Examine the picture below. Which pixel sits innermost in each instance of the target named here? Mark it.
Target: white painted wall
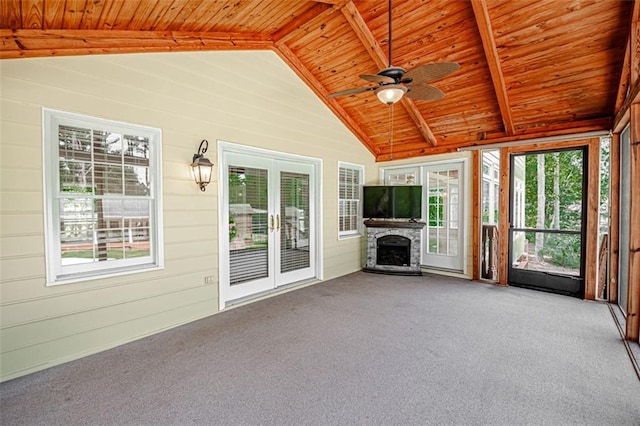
(249, 98)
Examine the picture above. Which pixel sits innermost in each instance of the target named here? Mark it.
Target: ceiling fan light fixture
(391, 93)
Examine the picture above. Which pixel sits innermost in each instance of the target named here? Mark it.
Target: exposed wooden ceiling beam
(292, 60)
(629, 86)
(329, 1)
(34, 43)
(363, 32)
(412, 150)
(623, 85)
(483, 22)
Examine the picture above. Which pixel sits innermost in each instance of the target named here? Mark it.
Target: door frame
(225, 148)
(593, 148)
(465, 197)
(545, 280)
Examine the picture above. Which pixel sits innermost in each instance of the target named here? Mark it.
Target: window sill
(76, 278)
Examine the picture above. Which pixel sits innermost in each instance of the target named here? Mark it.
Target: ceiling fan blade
(377, 78)
(430, 72)
(424, 92)
(350, 92)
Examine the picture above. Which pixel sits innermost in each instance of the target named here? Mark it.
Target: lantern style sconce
(201, 166)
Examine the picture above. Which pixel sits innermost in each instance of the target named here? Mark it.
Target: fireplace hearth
(393, 247)
(394, 250)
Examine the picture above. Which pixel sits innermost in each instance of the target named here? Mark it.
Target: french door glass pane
(248, 227)
(443, 212)
(294, 226)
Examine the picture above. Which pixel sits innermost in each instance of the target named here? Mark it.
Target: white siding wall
(249, 98)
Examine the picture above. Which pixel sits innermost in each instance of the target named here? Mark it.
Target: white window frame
(57, 273)
(357, 231)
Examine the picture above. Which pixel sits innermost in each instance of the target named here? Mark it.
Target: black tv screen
(392, 202)
(407, 202)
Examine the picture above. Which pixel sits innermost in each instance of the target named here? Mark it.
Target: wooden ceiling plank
(216, 16)
(32, 14)
(197, 15)
(145, 15)
(93, 12)
(363, 32)
(189, 6)
(634, 35)
(165, 21)
(312, 17)
(270, 18)
(10, 14)
(127, 14)
(485, 28)
(359, 26)
(160, 9)
(73, 11)
(53, 14)
(299, 68)
(108, 16)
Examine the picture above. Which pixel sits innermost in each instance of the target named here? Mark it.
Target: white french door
(443, 242)
(442, 209)
(269, 206)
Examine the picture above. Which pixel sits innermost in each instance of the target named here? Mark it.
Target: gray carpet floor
(364, 349)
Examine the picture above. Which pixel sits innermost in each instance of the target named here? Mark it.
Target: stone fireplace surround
(380, 228)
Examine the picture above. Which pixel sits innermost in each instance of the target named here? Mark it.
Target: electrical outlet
(209, 279)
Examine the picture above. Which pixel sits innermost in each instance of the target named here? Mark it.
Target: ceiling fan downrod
(390, 33)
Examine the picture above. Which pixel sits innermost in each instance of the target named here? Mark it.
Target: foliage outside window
(350, 179)
(554, 201)
(102, 197)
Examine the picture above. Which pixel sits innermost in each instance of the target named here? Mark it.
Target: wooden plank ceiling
(528, 69)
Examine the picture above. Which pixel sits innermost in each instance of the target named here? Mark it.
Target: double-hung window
(102, 197)
(350, 179)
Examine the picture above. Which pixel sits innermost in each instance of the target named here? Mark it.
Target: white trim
(56, 273)
(359, 231)
(559, 138)
(225, 148)
(465, 185)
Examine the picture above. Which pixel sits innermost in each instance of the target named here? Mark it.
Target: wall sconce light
(201, 166)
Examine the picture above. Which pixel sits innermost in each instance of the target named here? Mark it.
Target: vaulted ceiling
(528, 68)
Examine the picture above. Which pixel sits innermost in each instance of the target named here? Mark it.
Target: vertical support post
(632, 331)
(593, 214)
(503, 215)
(476, 207)
(633, 298)
(614, 217)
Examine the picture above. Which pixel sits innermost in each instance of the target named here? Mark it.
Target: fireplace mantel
(372, 223)
(409, 230)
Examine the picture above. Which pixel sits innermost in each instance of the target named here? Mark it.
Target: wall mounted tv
(392, 202)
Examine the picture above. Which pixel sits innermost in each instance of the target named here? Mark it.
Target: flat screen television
(392, 202)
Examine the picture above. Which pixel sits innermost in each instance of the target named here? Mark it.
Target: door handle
(271, 223)
(277, 222)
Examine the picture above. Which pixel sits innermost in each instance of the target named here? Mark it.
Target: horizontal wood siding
(249, 98)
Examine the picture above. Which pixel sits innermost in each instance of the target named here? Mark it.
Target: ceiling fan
(394, 82)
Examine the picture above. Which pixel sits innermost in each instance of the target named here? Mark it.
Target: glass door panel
(442, 247)
(269, 215)
(546, 244)
(294, 222)
(625, 206)
(248, 236)
(248, 229)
